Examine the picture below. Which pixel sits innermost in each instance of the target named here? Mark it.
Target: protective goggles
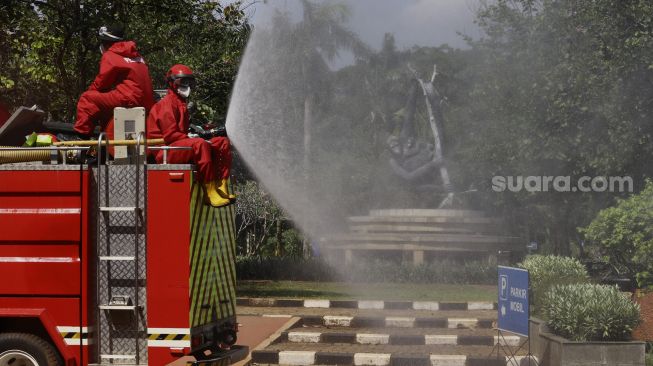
(105, 34)
(186, 81)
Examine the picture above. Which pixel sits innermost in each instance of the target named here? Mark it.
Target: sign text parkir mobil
(513, 300)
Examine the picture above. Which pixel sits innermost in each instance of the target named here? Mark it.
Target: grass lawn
(365, 291)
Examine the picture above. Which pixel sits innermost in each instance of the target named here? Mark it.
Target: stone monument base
(420, 235)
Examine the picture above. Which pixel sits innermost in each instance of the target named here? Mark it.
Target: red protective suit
(123, 81)
(169, 120)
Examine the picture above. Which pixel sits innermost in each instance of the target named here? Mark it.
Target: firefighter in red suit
(123, 81)
(169, 120)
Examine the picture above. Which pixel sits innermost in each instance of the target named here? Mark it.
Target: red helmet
(180, 75)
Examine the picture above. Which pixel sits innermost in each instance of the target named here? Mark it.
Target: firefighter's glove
(220, 131)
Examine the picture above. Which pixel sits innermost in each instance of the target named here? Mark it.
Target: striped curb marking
(372, 358)
(397, 339)
(276, 316)
(376, 359)
(366, 304)
(393, 322)
(296, 358)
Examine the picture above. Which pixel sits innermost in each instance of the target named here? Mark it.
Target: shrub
(444, 271)
(622, 237)
(283, 269)
(546, 271)
(590, 312)
(372, 271)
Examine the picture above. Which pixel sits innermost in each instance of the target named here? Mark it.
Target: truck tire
(23, 349)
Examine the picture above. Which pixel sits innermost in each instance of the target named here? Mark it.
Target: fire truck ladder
(119, 335)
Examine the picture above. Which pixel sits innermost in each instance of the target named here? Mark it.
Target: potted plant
(586, 324)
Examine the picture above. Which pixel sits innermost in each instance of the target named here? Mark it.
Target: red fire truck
(114, 264)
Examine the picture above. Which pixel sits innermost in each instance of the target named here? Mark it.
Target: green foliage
(590, 312)
(449, 272)
(259, 221)
(378, 271)
(364, 291)
(622, 237)
(283, 242)
(560, 88)
(49, 49)
(284, 268)
(545, 271)
(293, 243)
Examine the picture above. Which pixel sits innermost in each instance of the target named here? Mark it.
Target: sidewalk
(256, 330)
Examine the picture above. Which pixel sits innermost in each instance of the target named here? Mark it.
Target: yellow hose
(22, 156)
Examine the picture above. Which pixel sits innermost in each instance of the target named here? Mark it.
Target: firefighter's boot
(223, 190)
(213, 196)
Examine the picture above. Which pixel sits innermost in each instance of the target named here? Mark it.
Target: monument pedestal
(423, 234)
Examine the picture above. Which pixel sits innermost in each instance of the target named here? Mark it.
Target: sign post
(513, 307)
(513, 300)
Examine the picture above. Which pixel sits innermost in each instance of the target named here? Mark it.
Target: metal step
(118, 357)
(117, 258)
(118, 307)
(118, 209)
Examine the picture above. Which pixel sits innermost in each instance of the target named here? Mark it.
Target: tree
(561, 89)
(49, 50)
(318, 38)
(621, 237)
(258, 218)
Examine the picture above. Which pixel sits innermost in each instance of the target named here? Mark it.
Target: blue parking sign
(513, 306)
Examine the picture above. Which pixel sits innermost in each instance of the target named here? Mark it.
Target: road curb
(388, 322)
(376, 359)
(366, 304)
(396, 339)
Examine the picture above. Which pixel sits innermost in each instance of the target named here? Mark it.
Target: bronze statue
(415, 160)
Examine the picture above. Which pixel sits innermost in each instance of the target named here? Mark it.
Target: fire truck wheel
(23, 349)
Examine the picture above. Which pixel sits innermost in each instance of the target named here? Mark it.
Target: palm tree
(319, 37)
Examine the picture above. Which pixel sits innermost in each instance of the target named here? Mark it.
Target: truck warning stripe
(168, 337)
(74, 336)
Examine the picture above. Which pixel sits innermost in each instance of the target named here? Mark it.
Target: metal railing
(165, 150)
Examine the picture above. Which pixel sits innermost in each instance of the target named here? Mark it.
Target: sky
(413, 22)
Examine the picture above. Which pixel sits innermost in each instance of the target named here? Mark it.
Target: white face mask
(183, 91)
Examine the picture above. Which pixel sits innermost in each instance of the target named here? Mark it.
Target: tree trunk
(280, 247)
(309, 102)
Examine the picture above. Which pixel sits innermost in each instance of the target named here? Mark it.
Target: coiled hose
(23, 156)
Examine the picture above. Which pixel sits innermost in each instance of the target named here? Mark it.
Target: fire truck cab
(114, 265)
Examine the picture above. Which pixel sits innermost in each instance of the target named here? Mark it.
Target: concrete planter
(552, 350)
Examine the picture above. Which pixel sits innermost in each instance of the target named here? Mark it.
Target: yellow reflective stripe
(212, 260)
